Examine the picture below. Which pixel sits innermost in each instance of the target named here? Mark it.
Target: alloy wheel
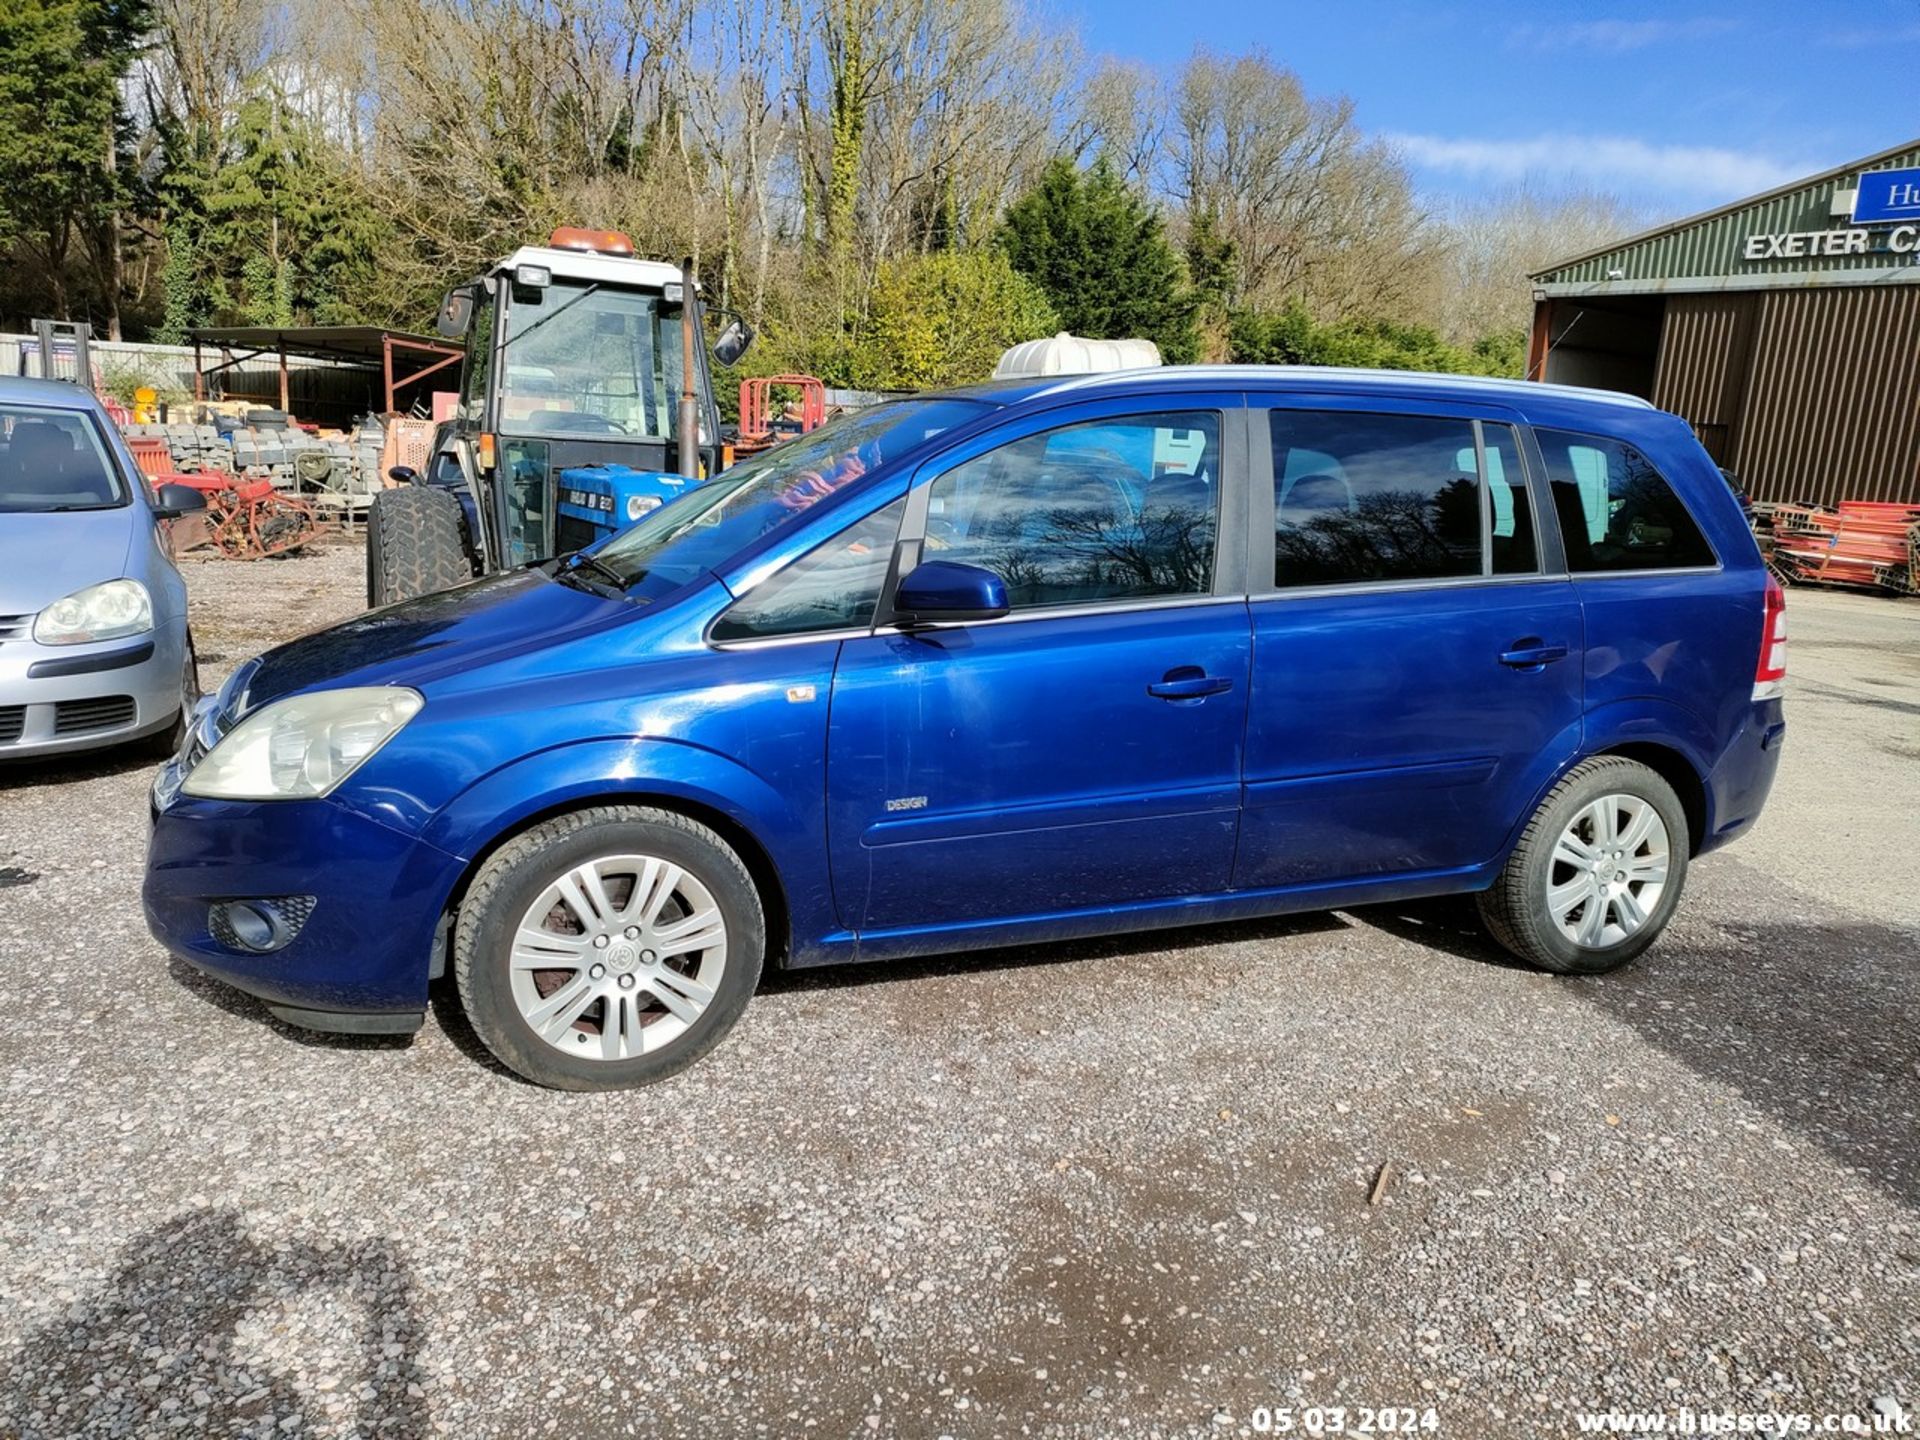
(618, 957)
(1608, 871)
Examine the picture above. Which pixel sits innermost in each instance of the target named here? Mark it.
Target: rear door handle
(1188, 682)
(1531, 655)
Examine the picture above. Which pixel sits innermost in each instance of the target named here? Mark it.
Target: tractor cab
(578, 414)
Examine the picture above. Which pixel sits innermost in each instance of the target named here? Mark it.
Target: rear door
(1085, 749)
(1417, 644)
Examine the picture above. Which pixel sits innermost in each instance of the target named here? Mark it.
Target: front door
(1084, 750)
(1417, 669)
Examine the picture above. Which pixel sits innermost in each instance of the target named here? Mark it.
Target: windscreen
(582, 359)
(53, 460)
(774, 489)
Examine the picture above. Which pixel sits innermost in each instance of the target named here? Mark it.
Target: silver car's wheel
(1608, 871)
(618, 956)
(608, 947)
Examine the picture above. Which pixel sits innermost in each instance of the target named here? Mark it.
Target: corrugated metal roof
(1712, 243)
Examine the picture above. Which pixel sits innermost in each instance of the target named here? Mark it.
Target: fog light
(259, 926)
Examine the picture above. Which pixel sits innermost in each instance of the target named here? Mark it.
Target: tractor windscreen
(719, 519)
(583, 359)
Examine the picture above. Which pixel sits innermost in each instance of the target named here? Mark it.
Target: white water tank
(1066, 354)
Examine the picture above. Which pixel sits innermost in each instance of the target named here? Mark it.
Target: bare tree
(1493, 244)
(1123, 115)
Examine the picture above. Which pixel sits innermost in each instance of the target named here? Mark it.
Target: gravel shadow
(248, 1007)
(161, 1342)
(76, 766)
(1810, 1021)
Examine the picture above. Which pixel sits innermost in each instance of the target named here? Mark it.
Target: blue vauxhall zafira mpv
(1005, 665)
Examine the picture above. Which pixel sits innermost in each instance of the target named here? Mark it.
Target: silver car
(94, 649)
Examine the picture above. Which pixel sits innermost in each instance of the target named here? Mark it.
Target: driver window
(1108, 510)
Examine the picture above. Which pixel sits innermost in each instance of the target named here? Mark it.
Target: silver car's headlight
(109, 611)
(301, 748)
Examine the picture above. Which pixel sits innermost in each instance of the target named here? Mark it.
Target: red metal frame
(756, 418)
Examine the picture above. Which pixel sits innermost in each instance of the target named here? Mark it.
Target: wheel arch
(743, 842)
(1672, 766)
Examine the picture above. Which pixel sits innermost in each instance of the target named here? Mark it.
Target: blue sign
(1884, 196)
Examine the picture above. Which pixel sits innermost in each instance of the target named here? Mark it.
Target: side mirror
(403, 474)
(939, 590)
(732, 342)
(456, 314)
(173, 501)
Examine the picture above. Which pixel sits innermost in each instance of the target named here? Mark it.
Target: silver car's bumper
(55, 699)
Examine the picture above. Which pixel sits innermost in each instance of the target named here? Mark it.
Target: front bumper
(360, 960)
(57, 699)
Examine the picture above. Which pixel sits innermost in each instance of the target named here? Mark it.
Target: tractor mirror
(733, 342)
(456, 313)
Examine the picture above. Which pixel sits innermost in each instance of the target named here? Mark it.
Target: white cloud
(1617, 37)
(1604, 162)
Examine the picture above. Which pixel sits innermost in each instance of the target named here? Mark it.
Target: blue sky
(1672, 107)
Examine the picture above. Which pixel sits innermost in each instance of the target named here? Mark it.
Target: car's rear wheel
(1598, 873)
(608, 948)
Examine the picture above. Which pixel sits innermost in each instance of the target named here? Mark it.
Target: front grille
(15, 627)
(78, 717)
(13, 720)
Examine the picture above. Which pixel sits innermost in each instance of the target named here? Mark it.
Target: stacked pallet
(1865, 544)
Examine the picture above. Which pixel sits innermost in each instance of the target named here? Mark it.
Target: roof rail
(1332, 376)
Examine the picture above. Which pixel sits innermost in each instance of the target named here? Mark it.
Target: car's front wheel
(608, 948)
(1597, 874)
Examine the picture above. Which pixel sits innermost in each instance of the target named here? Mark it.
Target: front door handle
(1530, 654)
(1188, 682)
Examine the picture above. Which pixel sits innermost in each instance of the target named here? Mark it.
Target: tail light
(1770, 676)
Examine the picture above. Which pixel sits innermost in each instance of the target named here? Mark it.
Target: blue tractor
(586, 400)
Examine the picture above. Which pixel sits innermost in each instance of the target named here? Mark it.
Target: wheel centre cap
(622, 957)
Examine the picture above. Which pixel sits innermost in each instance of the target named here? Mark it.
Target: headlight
(300, 748)
(99, 612)
(638, 505)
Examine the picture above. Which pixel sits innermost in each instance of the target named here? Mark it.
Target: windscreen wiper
(580, 560)
(553, 314)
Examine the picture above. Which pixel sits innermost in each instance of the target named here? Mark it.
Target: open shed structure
(370, 369)
(1785, 328)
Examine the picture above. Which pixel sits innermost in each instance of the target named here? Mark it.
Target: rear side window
(1616, 511)
(1362, 498)
(832, 587)
(53, 460)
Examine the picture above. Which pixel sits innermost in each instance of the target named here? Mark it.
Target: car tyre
(414, 544)
(164, 744)
(1598, 871)
(520, 1008)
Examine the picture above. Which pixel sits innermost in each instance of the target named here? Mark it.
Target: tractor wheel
(414, 545)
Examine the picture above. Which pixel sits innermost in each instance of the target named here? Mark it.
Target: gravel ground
(1115, 1188)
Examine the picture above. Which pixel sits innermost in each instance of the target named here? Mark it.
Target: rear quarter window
(1617, 512)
